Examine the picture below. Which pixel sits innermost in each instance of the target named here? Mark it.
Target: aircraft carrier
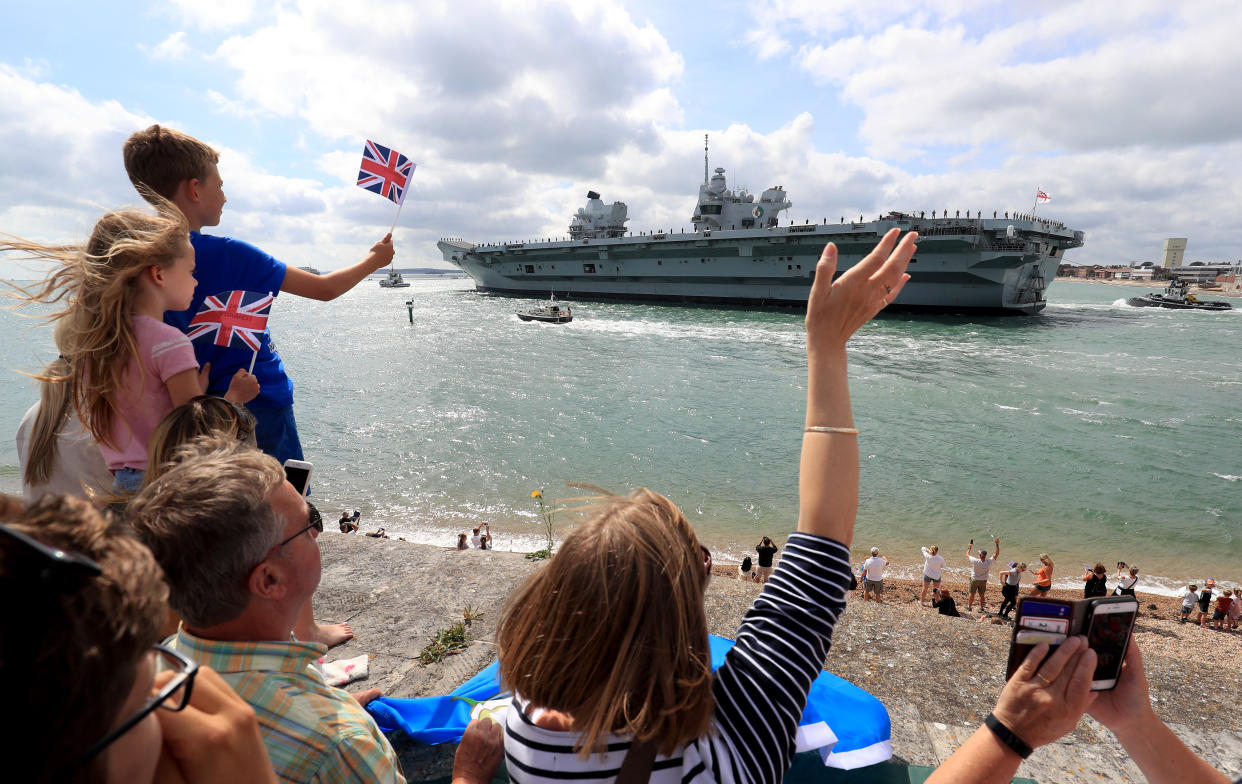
(737, 252)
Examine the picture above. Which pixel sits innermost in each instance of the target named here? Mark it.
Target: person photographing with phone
(1044, 701)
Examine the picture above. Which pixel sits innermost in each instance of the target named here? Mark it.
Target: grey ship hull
(962, 265)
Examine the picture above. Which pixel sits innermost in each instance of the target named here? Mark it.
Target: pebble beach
(938, 676)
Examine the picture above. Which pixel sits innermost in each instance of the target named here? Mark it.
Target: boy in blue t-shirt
(183, 170)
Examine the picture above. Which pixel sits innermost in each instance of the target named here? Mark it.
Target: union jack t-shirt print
(236, 319)
(384, 171)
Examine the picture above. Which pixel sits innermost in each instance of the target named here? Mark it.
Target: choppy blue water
(1093, 431)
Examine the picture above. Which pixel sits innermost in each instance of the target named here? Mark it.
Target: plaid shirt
(313, 732)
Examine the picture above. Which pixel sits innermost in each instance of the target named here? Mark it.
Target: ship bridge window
(588, 268)
(709, 209)
(530, 268)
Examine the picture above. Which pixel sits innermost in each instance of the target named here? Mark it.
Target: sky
(1125, 114)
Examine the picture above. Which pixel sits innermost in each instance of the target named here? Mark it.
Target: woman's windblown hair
(612, 631)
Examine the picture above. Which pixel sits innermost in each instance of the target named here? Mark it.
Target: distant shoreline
(1144, 284)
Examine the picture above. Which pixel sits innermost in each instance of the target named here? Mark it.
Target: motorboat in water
(394, 280)
(551, 313)
(1177, 296)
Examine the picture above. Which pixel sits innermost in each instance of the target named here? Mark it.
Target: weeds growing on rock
(445, 643)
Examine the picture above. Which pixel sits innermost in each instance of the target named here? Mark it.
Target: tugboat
(394, 280)
(1177, 296)
(551, 313)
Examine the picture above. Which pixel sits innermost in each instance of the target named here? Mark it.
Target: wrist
(1008, 737)
(1134, 726)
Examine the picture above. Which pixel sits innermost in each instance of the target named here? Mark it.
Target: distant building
(1203, 273)
(1140, 273)
(1174, 251)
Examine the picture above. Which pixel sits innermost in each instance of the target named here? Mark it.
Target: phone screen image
(298, 477)
(1108, 636)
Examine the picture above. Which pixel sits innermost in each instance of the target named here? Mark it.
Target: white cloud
(216, 15)
(174, 47)
(60, 157)
(539, 85)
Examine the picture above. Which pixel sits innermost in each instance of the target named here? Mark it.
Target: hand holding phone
(1108, 623)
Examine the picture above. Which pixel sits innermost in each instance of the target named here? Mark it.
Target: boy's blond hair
(613, 631)
(160, 159)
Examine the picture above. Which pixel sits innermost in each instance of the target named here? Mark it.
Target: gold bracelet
(849, 431)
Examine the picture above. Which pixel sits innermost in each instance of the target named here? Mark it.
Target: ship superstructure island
(738, 253)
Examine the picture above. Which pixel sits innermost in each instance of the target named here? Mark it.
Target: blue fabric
(276, 432)
(223, 264)
(127, 480)
(858, 719)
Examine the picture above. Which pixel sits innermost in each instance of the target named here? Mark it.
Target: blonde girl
(127, 368)
(606, 647)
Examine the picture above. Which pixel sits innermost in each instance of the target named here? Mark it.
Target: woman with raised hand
(606, 647)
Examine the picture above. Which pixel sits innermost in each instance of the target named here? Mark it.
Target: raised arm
(334, 284)
(828, 475)
(996, 552)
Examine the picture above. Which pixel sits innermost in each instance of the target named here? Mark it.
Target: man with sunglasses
(83, 669)
(238, 544)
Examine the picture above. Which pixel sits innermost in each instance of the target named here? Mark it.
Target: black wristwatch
(1007, 736)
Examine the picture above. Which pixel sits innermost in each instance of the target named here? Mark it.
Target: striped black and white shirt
(759, 691)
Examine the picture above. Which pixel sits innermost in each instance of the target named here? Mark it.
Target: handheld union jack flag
(384, 171)
(237, 319)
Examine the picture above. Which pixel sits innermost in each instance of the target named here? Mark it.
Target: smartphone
(298, 472)
(1110, 624)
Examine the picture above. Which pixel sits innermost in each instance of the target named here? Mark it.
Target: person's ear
(190, 187)
(155, 274)
(266, 581)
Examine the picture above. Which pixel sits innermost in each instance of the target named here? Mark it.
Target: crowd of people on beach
(168, 565)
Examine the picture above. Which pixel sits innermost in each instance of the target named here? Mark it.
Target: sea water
(1092, 431)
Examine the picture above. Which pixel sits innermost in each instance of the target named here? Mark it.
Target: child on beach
(1189, 600)
(1222, 609)
(182, 170)
(127, 368)
(1235, 609)
(1205, 602)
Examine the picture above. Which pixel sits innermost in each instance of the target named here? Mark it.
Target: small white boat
(551, 313)
(394, 280)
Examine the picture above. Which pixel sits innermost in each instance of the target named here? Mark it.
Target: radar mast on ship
(720, 208)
